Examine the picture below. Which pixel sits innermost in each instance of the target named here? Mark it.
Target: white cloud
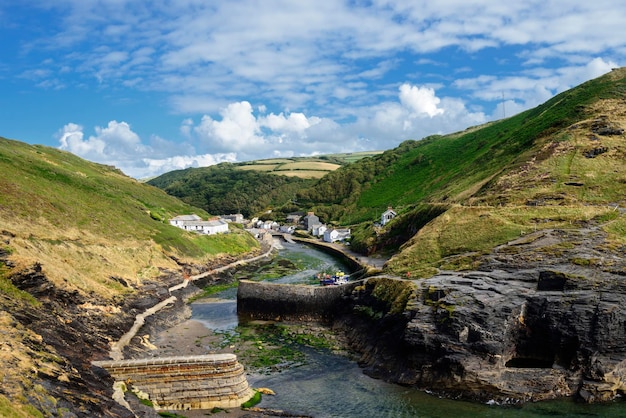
(420, 100)
(71, 139)
(324, 76)
(417, 113)
(240, 135)
(118, 138)
(238, 130)
(116, 144)
(159, 166)
(295, 122)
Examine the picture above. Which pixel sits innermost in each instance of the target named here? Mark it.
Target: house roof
(206, 223)
(192, 217)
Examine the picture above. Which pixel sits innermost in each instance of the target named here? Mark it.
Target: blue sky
(154, 86)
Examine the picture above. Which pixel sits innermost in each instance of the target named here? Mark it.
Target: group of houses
(310, 223)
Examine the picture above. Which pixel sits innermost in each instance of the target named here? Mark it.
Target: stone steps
(191, 382)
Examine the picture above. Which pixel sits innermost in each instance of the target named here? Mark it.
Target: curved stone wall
(184, 383)
(289, 302)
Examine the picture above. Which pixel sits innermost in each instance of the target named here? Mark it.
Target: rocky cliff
(543, 317)
(57, 338)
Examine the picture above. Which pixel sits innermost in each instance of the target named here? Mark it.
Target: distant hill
(305, 167)
(251, 187)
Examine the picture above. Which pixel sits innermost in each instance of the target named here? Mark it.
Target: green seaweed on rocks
(255, 400)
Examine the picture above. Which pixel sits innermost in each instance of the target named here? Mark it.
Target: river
(329, 385)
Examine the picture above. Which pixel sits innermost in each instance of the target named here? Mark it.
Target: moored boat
(334, 279)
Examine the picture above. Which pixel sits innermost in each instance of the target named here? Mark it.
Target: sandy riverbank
(192, 337)
(188, 338)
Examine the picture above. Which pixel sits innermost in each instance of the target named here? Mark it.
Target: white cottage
(196, 224)
(387, 216)
(180, 220)
(287, 229)
(333, 235)
(318, 230)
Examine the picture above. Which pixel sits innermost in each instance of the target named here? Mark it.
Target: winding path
(117, 348)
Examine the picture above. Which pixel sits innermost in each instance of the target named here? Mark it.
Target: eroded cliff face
(530, 325)
(47, 356)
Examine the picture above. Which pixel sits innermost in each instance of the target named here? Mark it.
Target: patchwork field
(305, 167)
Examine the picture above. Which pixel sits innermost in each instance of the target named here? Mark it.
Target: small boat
(332, 280)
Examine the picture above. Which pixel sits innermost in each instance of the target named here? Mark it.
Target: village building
(334, 235)
(180, 220)
(287, 229)
(387, 216)
(310, 220)
(267, 225)
(195, 223)
(294, 218)
(235, 217)
(318, 230)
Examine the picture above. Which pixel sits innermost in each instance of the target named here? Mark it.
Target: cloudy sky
(152, 86)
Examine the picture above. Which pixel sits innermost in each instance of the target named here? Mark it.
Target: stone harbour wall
(289, 302)
(184, 383)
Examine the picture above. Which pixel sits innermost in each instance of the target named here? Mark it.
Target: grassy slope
(534, 158)
(493, 177)
(86, 222)
(452, 167)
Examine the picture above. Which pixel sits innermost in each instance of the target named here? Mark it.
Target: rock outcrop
(532, 324)
(64, 331)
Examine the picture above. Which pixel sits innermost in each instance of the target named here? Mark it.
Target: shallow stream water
(329, 385)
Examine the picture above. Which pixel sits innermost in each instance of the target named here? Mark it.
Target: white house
(217, 226)
(318, 230)
(180, 220)
(332, 235)
(387, 216)
(267, 225)
(196, 224)
(287, 229)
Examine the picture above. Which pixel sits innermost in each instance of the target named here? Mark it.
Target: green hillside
(228, 188)
(85, 222)
(81, 243)
(454, 167)
(555, 166)
(252, 187)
